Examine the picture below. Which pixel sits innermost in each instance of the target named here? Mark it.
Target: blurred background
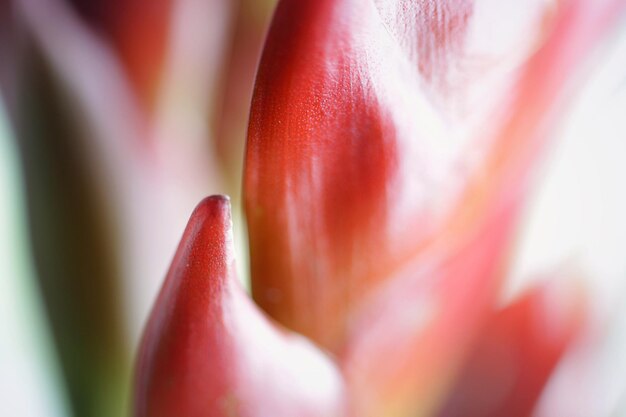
(109, 118)
(117, 117)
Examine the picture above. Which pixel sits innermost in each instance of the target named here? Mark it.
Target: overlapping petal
(359, 145)
(391, 148)
(208, 351)
(333, 208)
(490, 205)
(104, 209)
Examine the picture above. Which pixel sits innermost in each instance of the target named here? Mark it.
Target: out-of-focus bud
(139, 31)
(515, 354)
(208, 351)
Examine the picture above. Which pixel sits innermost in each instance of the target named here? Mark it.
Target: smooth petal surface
(359, 145)
(516, 353)
(207, 350)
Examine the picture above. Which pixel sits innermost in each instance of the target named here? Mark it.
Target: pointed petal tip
(210, 226)
(207, 349)
(214, 206)
(196, 288)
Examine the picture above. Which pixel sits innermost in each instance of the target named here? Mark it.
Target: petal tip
(213, 206)
(213, 216)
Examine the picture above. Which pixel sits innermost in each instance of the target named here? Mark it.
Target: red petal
(354, 153)
(515, 355)
(207, 351)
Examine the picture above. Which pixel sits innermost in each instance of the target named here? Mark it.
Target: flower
(380, 221)
(393, 148)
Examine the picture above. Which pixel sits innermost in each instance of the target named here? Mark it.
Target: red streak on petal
(320, 153)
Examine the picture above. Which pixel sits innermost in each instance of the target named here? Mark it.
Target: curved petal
(358, 146)
(515, 354)
(207, 351)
